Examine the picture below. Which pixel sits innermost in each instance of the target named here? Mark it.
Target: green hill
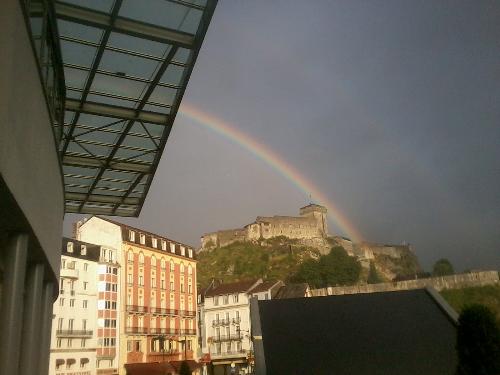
(272, 259)
(486, 295)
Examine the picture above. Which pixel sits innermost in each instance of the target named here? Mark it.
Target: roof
(404, 332)
(92, 251)
(229, 288)
(292, 291)
(126, 67)
(265, 286)
(148, 237)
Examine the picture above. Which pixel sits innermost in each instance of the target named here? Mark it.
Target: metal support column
(11, 322)
(32, 319)
(46, 327)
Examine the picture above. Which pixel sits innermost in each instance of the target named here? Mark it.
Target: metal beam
(89, 162)
(123, 25)
(101, 211)
(116, 112)
(99, 198)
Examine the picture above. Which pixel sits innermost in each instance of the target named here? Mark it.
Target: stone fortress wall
(471, 279)
(312, 223)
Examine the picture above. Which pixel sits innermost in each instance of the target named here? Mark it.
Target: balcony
(188, 313)
(232, 353)
(136, 330)
(69, 273)
(138, 309)
(164, 331)
(163, 311)
(221, 322)
(73, 333)
(221, 338)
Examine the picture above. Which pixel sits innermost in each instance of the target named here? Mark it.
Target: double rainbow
(272, 159)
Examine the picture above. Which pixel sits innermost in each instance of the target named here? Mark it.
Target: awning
(126, 66)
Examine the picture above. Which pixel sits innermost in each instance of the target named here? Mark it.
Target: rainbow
(265, 154)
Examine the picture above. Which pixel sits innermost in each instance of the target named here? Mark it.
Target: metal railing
(230, 337)
(221, 322)
(136, 330)
(136, 308)
(160, 331)
(73, 332)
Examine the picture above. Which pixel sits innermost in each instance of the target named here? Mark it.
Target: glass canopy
(126, 66)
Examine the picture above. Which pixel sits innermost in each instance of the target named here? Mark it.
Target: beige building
(311, 223)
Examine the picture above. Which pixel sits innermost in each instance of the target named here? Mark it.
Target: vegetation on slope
(273, 259)
(485, 295)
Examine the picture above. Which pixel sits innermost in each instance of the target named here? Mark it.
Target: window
(162, 263)
(163, 245)
(235, 298)
(141, 258)
(172, 248)
(130, 279)
(190, 270)
(141, 280)
(83, 250)
(182, 268)
(190, 289)
(59, 343)
(172, 286)
(153, 282)
(84, 303)
(60, 323)
(130, 256)
(70, 324)
(129, 345)
(70, 343)
(85, 266)
(153, 261)
(183, 251)
(182, 287)
(172, 266)
(142, 238)
(85, 284)
(61, 301)
(137, 346)
(69, 247)
(225, 299)
(216, 301)
(131, 235)
(154, 242)
(190, 253)
(71, 303)
(63, 263)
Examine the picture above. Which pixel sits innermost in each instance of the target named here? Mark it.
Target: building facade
(74, 325)
(158, 290)
(226, 328)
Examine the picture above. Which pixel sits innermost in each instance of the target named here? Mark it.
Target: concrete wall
(29, 164)
(438, 283)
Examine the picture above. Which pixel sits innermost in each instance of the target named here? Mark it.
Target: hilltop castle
(312, 223)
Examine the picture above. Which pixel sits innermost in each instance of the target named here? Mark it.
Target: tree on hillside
(373, 276)
(478, 342)
(442, 267)
(335, 268)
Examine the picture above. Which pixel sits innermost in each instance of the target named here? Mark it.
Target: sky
(389, 111)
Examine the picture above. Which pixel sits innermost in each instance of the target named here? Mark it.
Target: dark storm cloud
(391, 108)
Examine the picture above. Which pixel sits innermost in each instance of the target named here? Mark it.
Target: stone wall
(439, 283)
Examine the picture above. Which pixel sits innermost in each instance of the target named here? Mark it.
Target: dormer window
(154, 242)
(172, 247)
(131, 235)
(83, 250)
(142, 239)
(190, 253)
(69, 247)
(183, 251)
(164, 245)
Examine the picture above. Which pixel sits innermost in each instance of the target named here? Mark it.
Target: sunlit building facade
(158, 290)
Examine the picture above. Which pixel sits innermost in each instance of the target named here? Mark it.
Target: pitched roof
(265, 286)
(92, 252)
(389, 333)
(292, 291)
(236, 287)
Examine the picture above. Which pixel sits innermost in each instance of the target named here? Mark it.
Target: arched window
(141, 258)
(153, 261)
(172, 266)
(190, 270)
(130, 256)
(182, 267)
(162, 263)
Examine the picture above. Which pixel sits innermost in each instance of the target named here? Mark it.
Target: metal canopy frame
(126, 65)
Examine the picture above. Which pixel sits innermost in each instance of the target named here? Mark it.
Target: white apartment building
(74, 334)
(225, 326)
(84, 337)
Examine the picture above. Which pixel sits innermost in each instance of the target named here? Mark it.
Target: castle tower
(319, 214)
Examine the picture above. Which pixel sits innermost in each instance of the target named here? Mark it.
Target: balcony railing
(230, 353)
(163, 311)
(68, 273)
(74, 333)
(137, 330)
(221, 322)
(187, 313)
(135, 308)
(231, 337)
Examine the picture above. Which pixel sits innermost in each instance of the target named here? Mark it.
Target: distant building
(225, 330)
(389, 333)
(312, 223)
(158, 284)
